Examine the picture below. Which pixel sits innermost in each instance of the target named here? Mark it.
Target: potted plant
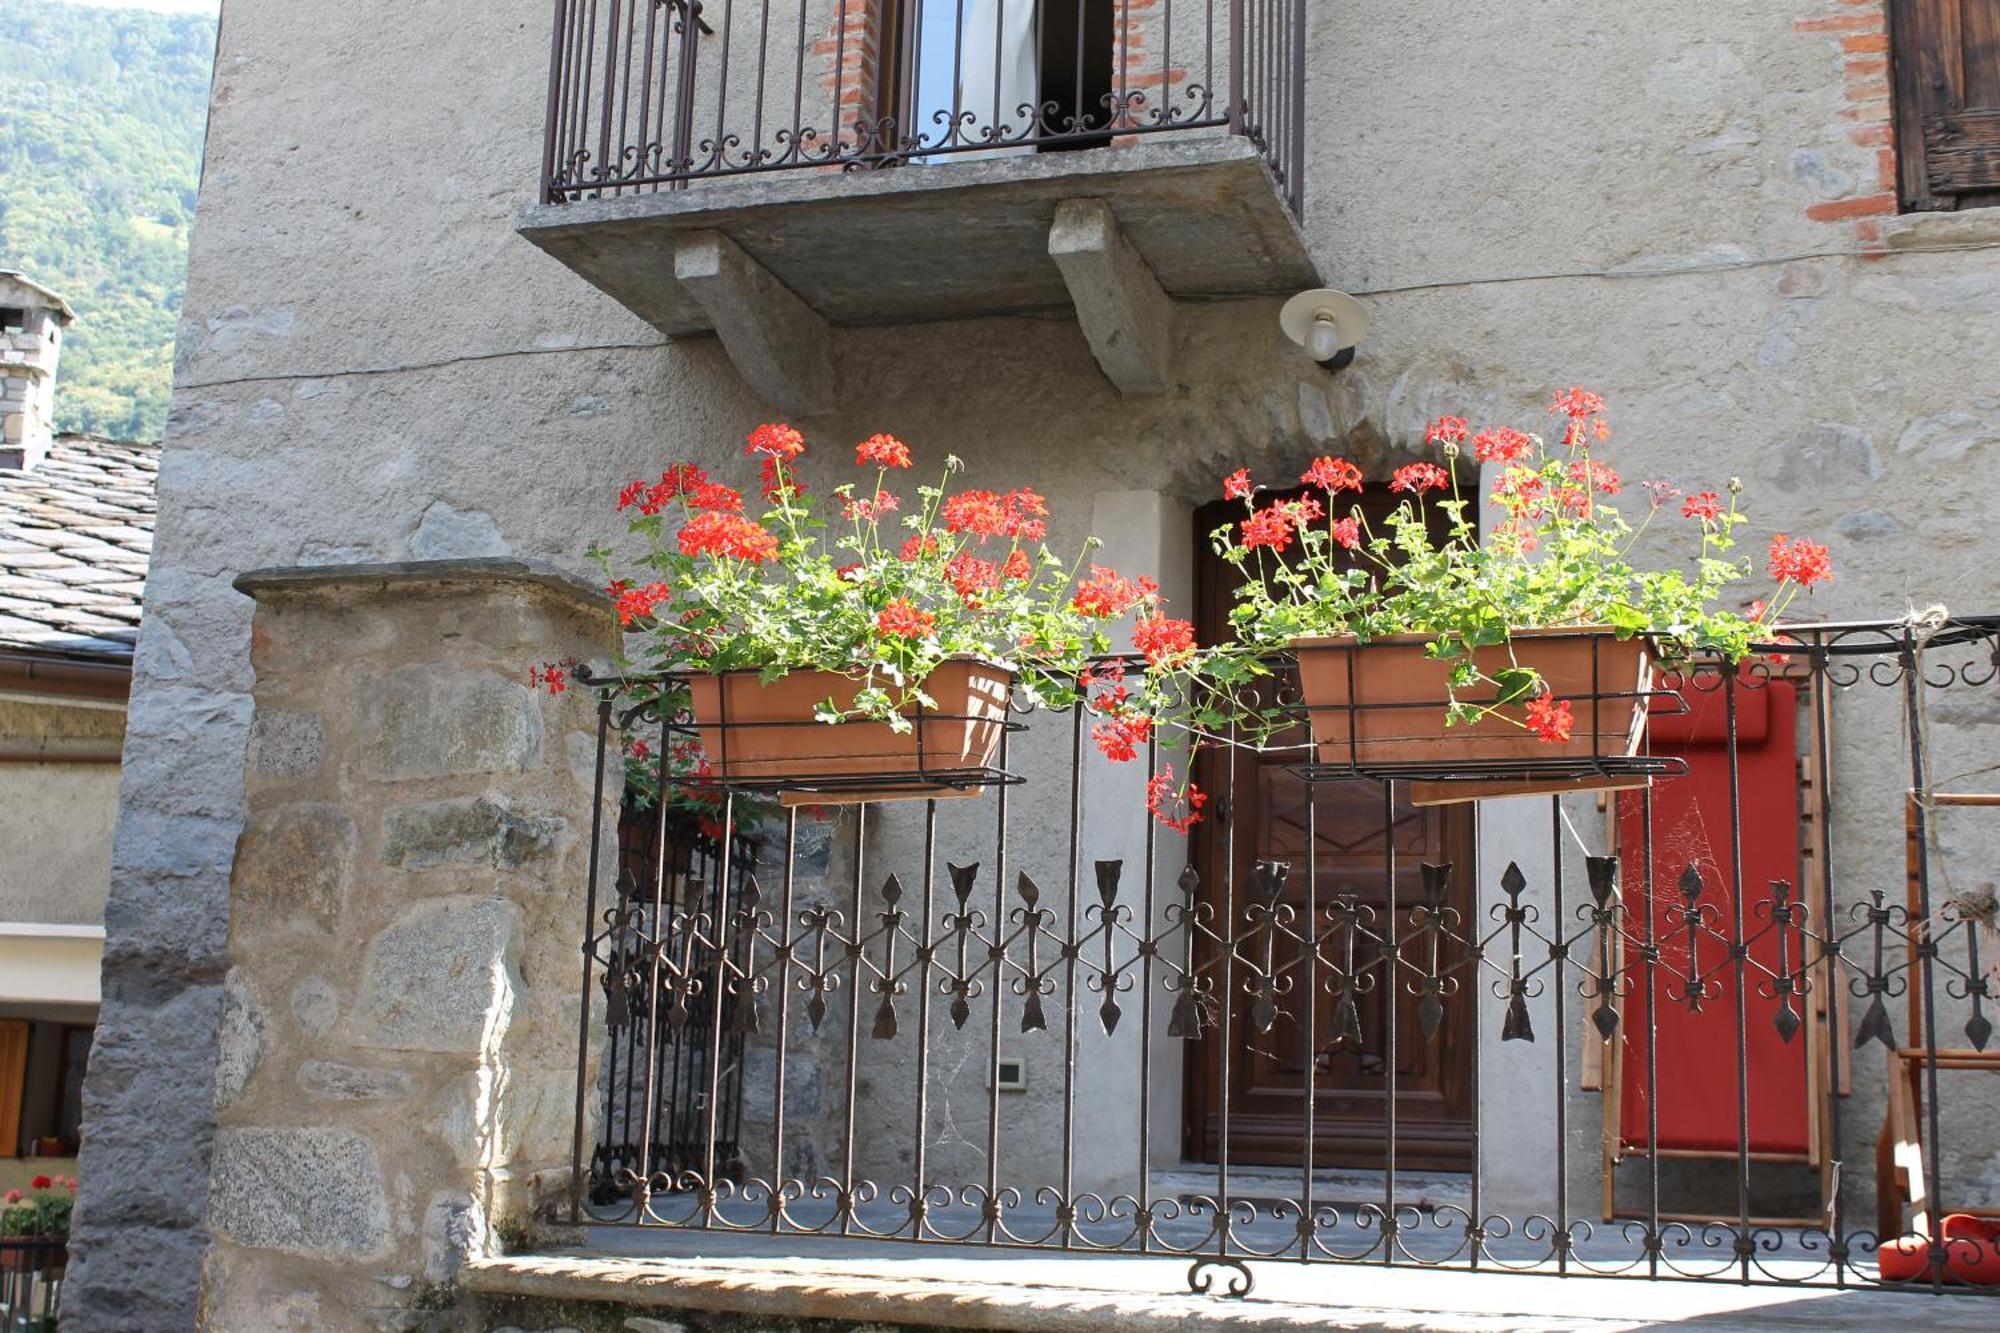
(1426, 651)
(845, 647)
(41, 1214)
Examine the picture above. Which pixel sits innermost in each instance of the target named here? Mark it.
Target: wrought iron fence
(31, 1282)
(645, 94)
(993, 1021)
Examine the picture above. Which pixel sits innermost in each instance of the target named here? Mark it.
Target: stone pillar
(1145, 532)
(1517, 1079)
(397, 1070)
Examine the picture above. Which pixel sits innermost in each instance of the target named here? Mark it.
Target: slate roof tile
(76, 533)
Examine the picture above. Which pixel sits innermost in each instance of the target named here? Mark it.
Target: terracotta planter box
(1382, 704)
(766, 735)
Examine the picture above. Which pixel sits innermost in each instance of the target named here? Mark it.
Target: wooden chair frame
(1902, 1190)
(1829, 1064)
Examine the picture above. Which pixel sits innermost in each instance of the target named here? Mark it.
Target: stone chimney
(32, 320)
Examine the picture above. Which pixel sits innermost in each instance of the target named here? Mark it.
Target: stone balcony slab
(947, 241)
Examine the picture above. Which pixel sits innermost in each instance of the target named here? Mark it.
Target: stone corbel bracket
(1126, 315)
(780, 345)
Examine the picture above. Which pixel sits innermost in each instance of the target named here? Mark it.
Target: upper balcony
(762, 169)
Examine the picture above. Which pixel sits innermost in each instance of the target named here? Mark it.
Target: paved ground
(788, 1278)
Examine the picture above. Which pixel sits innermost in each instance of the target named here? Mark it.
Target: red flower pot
(1382, 704)
(766, 734)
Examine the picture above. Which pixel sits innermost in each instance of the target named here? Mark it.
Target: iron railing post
(552, 112)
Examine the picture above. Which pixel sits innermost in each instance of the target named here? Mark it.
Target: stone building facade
(1695, 210)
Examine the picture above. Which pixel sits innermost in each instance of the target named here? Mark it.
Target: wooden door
(1261, 811)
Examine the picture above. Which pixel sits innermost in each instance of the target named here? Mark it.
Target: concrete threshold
(783, 1281)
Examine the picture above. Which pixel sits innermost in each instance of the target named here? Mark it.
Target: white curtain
(1008, 28)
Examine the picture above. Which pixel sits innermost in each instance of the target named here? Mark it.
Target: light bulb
(1323, 339)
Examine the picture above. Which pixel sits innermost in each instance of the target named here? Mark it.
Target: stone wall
(1617, 196)
(396, 1074)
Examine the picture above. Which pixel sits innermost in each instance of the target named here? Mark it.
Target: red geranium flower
(40, 1183)
(1420, 477)
(1446, 430)
(776, 440)
(970, 576)
(1018, 566)
(1346, 531)
(1502, 444)
(1107, 594)
(984, 514)
(630, 495)
(1590, 472)
(1120, 736)
(1797, 560)
(548, 676)
(1576, 403)
(715, 495)
(1550, 719)
(639, 603)
(776, 483)
(1163, 640)
(713, 532)
(868, 511)
(1707, 506)
(1179, 811)
(1237, 485)
(917, 547)
(1270, 526)
(882, 451)
(1332, 474)
(902, 619)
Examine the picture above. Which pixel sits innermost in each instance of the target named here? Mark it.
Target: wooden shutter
(13, 1080)
(1946, 57)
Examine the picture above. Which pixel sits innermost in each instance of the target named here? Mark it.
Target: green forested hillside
(101, 117)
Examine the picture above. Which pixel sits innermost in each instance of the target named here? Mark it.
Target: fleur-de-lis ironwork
(1516, 1026)
(1267, 886)
(1692, 914)
(959, 983)
(1874, 1025)
(1786, 983)
(1109, 914)
(1428, 919)
(1348, 980)
(820, 979)
(746, 986)
(886, 983)
(1602, 874)
(1190, 1014)
(1035, 981)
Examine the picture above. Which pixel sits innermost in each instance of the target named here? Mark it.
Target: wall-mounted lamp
(1328, 324)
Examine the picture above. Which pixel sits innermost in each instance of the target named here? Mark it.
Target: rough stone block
(437, 978)
(351, 1083)
(295, 865)
(453, 1225)
(239, 1038)
(315, 1006)
(434, 721)
(308, 1191)
(286, 745)
(480, 831)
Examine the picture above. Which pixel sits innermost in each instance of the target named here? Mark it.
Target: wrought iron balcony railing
(996, 1021)
(651, 94)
